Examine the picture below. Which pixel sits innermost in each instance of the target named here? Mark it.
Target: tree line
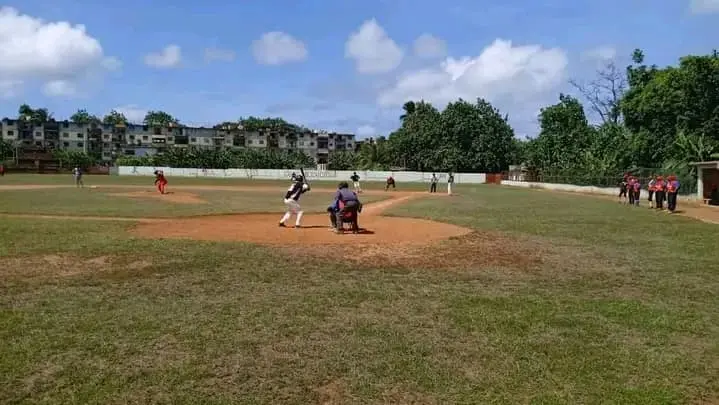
(649, 119)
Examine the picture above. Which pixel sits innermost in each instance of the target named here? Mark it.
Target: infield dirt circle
(315, 229)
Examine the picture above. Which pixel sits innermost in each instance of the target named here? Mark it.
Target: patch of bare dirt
(173, 197)
(61, 266)
(470, 250)
(332, 393)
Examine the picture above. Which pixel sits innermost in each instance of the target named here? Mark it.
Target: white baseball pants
(292, 207)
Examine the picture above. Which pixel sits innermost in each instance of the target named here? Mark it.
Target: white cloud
(366, 131)
(112, 64)
(219, 55)
(429, 46)
(36, 51)
(277, 48)
(167, 58)
(704, 6)
(602, 53)
(502, 73)
(372, 49)
(57, 88)
(132, 112)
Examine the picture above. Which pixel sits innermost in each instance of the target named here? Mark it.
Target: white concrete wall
(613, 191)
(275, 174)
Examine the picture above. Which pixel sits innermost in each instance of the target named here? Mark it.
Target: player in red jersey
(160, 181)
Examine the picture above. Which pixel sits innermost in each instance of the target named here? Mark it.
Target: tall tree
(414, 145)
(409, 109)
(83, 117)
(37, 115)
(375, 154)
(663, 102)
(159, 118)
(605, 92)
(476, 137)
(6, 150)
(564, 137)
(255, 124)
(114, 118)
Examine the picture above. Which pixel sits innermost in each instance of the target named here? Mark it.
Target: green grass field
(554, 299)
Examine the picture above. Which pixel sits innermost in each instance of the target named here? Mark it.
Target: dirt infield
(315, 230)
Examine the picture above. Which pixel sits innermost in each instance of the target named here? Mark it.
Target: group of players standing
(660, 190)
(391, 183)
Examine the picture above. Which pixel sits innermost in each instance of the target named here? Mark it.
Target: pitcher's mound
(178, 198)
(263, 228)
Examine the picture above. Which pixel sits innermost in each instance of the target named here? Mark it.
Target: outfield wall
(276, 174)
(613, 191)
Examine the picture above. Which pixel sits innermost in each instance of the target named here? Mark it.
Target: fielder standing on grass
(450, 181)
(433, 183)
(355, 182)
(292, 201)
(77, 175)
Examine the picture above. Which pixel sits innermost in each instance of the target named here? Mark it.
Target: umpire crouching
(348, 203)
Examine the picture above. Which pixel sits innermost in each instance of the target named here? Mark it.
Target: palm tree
(409, 109)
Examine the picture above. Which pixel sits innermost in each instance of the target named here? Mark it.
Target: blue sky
(343, 65)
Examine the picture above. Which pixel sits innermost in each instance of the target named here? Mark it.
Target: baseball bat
(304, 178)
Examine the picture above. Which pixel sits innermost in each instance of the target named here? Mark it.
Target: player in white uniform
(292, 201)
(77, 175)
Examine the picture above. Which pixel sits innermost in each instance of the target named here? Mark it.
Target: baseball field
(114, 294)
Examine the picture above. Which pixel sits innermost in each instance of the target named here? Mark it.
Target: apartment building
(112, 141)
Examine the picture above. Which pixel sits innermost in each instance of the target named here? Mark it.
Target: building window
(144, 137)
(65, 135)
(106, 136)
(10, 133)
(132, 137)
(81, 136)
(157, 131)
(312, 144)
(193, 140)
(249, 142)
(66, 144)
(170, 138)
(80, 144)
(262, 141)
(38, 143)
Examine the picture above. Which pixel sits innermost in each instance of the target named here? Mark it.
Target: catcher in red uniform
(160, 181)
